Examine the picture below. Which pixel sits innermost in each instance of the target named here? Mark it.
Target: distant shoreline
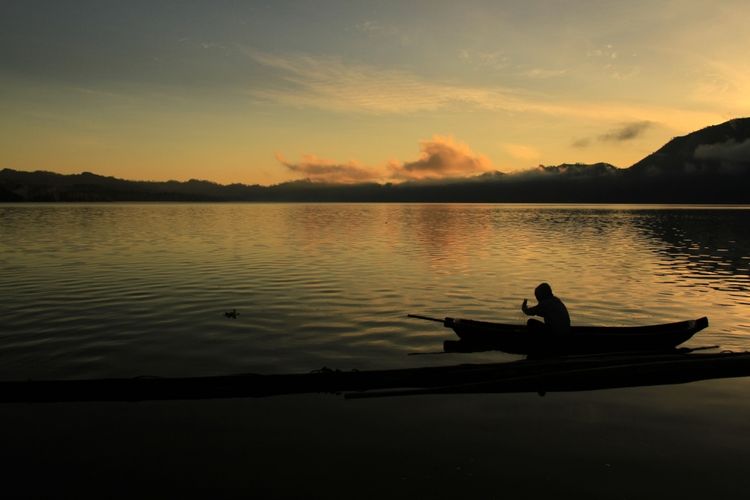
(709, 166)
(618, 205)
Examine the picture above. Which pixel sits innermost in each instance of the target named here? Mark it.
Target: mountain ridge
(710, 165)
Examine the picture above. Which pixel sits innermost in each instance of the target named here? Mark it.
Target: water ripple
(132, 289)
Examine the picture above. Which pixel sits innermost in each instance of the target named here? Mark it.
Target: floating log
(571, 373)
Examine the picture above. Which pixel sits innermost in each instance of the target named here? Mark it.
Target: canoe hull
(516, 339)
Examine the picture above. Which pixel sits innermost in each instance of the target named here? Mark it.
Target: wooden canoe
(517, 339)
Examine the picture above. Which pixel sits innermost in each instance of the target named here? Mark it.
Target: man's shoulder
(557, 300)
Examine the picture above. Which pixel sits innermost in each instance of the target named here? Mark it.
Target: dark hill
(717, 149)
(711, 165)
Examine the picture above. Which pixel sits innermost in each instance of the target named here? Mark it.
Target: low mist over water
(142, 289)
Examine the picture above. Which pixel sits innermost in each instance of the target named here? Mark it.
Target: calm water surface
(140, 289)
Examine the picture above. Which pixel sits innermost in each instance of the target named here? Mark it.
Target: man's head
(543, 291)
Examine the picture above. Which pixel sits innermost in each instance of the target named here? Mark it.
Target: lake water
(141, 289)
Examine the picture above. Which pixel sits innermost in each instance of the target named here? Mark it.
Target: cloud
(329, 83)
(322, 170)
(626, 132)
(603, 52)
(369, 27)
(390, 33)
(213, 45)
(729, 151)
(479, 59)
(439, 158)
(374, 28)
(543, 73)
(724, 86)
(616, 65)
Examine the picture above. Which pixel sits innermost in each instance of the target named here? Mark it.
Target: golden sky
(264, 92)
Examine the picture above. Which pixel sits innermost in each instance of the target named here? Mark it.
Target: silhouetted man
(552, 309)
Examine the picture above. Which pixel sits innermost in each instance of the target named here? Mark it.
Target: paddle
(425, 317)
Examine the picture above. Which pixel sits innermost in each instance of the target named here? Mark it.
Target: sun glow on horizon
(235, 93)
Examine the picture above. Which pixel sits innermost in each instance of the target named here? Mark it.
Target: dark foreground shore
(682, 441)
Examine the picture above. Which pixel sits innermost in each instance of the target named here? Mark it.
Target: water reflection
(701, 247)
(130, 289)
(450, 236)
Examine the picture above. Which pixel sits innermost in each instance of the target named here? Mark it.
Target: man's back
(549, 307)
(555, 314)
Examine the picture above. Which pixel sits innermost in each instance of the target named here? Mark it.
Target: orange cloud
(322, 170)
(441, 157)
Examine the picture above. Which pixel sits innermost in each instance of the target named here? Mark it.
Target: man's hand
(525, 305)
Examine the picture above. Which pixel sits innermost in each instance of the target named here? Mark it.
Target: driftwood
(572, 373)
